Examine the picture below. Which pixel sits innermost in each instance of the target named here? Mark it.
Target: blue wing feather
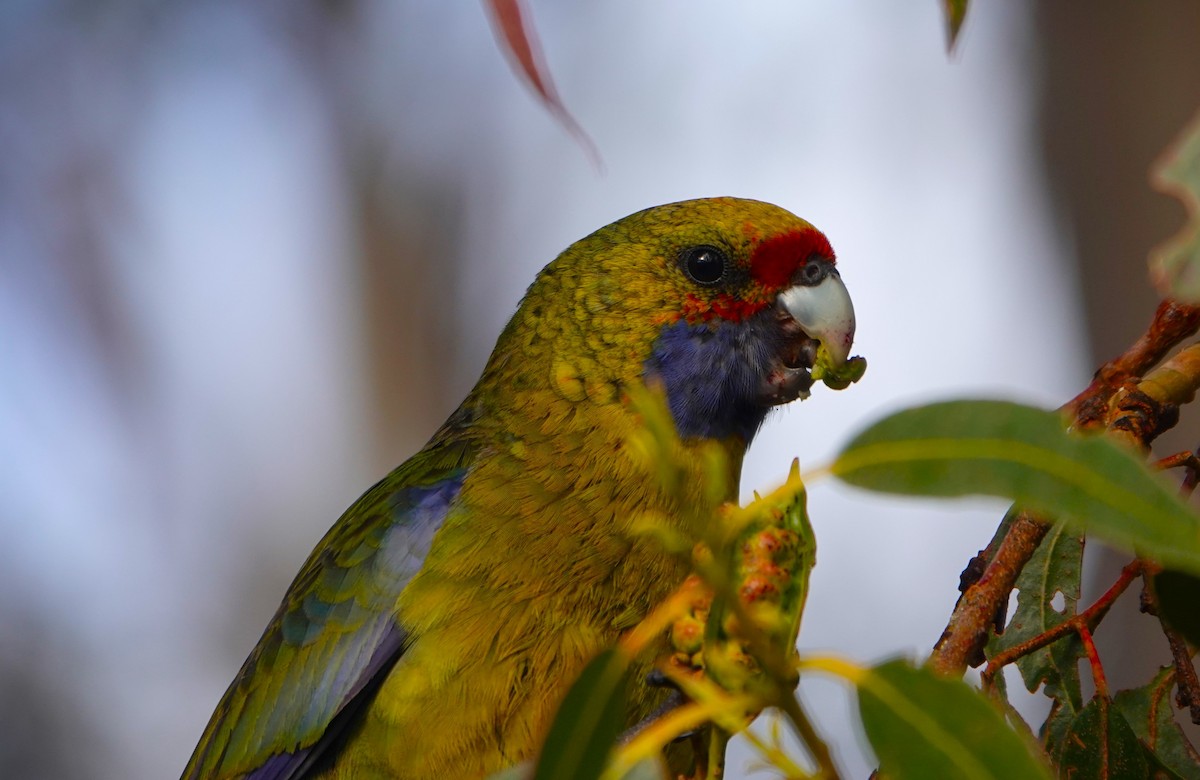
(335, 636)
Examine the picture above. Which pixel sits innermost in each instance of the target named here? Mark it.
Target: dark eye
(705, 265)
(813, 271)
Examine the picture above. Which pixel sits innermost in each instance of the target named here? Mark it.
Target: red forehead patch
(775, 260)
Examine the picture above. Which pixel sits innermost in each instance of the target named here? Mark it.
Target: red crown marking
(776, 259)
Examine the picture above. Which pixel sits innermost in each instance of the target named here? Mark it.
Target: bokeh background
(252, 254)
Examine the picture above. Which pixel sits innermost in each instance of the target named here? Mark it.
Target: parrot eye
(813, 271)
(704, 264)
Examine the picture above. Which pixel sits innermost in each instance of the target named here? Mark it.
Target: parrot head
(727, 303)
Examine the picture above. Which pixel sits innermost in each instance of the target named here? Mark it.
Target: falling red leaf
(519, 39)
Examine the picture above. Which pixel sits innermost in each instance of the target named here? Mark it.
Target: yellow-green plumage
(531, 491)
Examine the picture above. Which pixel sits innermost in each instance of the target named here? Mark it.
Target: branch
(1173, 322)
(1085, 621)
(1188, 694)
(967, 630)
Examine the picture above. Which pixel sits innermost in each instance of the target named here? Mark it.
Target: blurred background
(252, 254)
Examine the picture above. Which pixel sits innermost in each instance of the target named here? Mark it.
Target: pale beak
(825, 312)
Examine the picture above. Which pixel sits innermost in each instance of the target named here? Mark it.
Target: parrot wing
(335, 636)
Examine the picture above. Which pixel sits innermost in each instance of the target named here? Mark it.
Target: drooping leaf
(923, 726)
(1054, 569)
(997, 448)
(1175, 264)
(588, 722)
(956, 12)
(517, 36)
(1100, 745)
(1148, 712)
(1178, 597)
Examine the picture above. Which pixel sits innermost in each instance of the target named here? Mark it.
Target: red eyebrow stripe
(775, 260)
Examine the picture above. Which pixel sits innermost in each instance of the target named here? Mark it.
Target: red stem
(1089, 647)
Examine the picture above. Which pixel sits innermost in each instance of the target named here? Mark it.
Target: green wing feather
(336, 631)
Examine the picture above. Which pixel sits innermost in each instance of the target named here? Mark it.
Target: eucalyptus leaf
(1148, 712)
(1175, 264)
(1101, 745)
(1056, 728)
(1054, 569)
(588, 722)
(998, 448)
(956, 13)
(923, 726)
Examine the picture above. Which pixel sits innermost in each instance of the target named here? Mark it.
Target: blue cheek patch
(713, 376)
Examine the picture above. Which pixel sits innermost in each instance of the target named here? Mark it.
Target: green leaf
(588, 721)
(1054, 568)
(956, 12)
(1148, 712)
(1177, 595)
(924, 726)
(1175, 265)
(1100, 745)
(1056, 728)
(997, 448)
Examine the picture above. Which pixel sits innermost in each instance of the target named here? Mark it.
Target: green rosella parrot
(435, 628)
